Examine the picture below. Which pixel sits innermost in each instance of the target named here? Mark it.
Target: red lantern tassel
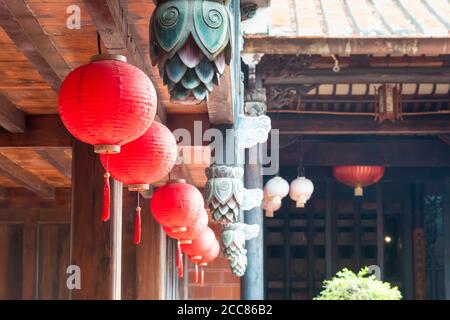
(202, 278)
(179, 260)
(196, 273)
(106, 198)
(137, 226)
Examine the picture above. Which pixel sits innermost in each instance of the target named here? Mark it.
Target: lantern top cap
(176, 181)
(101, 57)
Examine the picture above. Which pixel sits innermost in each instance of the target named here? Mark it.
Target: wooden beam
(11, 118)
(58, 159)
(119, 38)
(22, 26)
(42, 131)
(445, 138)
(418, 153)
(347, 46)
(220, 102)
(365, 75)
(294, 124)
(24, 178)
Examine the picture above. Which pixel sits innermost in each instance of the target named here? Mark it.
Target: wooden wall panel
(11, 261)
(53, 259)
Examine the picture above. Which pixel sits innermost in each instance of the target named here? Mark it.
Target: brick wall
(220, 283)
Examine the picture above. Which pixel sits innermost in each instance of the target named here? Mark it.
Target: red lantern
(206, 257)
(142, 162)
(178, 206)
(107, 103)
(358, 176)
(196, 247)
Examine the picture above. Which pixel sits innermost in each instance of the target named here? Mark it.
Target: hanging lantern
(197, 246)
(270, 207)
(207, 257)
(301, 190)
(190, 41)
(358, 176)
(276, 189)
(142, 162)
(178, 206)
(107, 103)
(388, 103)
(185, 237)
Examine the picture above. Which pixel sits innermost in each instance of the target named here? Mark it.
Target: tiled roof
(352, 18)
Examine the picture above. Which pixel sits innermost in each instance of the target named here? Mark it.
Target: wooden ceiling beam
(445, 138)
(21, 25)
(294, 124)
(364, 75)
(42, 131)
(393, 46)
(118, 37)
(11, 118)
(396, 153)
(26, 179)
(58, 159)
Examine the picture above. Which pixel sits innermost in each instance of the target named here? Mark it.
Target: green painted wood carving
(190, 42)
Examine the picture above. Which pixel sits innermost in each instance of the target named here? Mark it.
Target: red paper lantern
(107, 103)
(185, 237)
(145, 160)
(203, 243)
(358, 176)
(142, 162)
(178, 206)
(206, 257)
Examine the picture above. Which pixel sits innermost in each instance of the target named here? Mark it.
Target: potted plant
(347, 285)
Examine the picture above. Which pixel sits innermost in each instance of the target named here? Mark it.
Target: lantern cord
(179, 261)
(202, 278)
(301, 168)
(196, 273)
(106, 194)
(99, 43)
(137, 226)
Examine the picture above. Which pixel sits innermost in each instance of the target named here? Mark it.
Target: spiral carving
(169, 17)
(213, 18)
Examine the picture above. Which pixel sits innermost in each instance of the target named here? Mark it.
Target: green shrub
(347, 285)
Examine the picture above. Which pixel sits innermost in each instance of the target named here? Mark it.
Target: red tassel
(106, 198)
(179, 260)
(137, 226)
(202, 278)
(196, 273)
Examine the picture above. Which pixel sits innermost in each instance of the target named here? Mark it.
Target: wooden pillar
(253, 288)
(330, 232)
(407, 250)
(380, 229)
(419, 244)
(447, 237)
(94, 243)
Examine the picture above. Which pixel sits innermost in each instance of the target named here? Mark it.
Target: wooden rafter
(445, 138)
(58, 159)
(11, 118)
(19, 22)
(26, 179)
(118, 36)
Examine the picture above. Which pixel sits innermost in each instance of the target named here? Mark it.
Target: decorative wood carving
(190, 41)
(248, 10)
(224, 192)
(285, 66)
(233, 240)
(419, 265)
(388, 103)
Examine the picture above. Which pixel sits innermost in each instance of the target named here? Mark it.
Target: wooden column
(407, 250)
(93, 242)
(253, 288)
(447, 237)
(330, 232)
(380, 229)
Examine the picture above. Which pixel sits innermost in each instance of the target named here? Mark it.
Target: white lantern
(301, 190)
(269, 206)
(276, 189)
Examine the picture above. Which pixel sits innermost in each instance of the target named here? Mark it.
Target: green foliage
(347, 285)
